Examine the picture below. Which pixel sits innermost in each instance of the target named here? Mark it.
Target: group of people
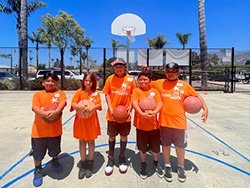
(164, 125)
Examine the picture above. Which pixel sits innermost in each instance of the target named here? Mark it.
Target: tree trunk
(203, 43)
(80, 60)
(49, 47)
(62, 68)
(37, 56)
(24, 37)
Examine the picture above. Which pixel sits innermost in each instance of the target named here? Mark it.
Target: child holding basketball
(47, 105)
(88, 128)
(118, 90)
(172, 117)
(147, 129)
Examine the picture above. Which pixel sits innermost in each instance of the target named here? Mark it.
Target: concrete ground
(217, 154)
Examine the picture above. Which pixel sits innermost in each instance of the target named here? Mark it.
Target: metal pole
(232, 71)
(127, 47)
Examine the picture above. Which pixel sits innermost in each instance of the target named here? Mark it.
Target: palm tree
(203, 42)
(183, 38)
(36, 37)
(115, 46)
(13, 7)
(158, 42)
(87, 44)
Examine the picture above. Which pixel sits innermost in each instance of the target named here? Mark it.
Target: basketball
(147, 103)
(54, 118)
(120, 114)
(85, 114)
(192, 105)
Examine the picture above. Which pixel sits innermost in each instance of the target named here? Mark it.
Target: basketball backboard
(128, 24)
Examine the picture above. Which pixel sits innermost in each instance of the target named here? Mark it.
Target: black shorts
(115, 128)
(169, 136)
(41, 145)
(148, 140)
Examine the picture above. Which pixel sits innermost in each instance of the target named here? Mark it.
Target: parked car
(134, 73)
(7, 76)
(69, 74)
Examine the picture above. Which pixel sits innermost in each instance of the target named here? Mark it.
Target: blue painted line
(132, 142)
(244, 157)
(28, 154)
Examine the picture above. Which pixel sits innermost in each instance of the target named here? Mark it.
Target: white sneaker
(110, 166)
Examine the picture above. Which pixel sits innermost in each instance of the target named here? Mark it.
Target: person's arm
(108, 100)
(156, 110)
(142, 113)
(58, 110)
(204, 115)
(40, 112)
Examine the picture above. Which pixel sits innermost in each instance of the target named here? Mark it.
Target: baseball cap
(118, 61)
(172, 65)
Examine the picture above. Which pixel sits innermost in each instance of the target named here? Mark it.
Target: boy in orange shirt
(118, 90)
(172, 118)
(87, 129)
(147, 129)
(46, 134)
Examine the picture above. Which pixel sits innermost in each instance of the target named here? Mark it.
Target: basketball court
(217, 154)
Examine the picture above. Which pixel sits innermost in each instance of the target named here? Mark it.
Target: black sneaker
(38, 178)
(181, 174)
(123, 167)
(89, 168)
(168, 173)
(110, 166)
(81, 172)
(57, 167)
(159, 170)
(143, 172)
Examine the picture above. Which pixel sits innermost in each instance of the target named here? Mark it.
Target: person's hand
(204, 116)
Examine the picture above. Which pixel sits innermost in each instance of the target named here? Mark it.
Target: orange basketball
(85, 114)
(147, 103)
(120, 114)
(192, 105)
(54, 118)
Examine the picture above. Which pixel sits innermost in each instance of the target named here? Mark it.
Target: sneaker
(143, 172)
(81, 173)
(168, 174)
(38, 178)
(181, 174)
(159, 170)
(57, 167)
(110, 166)
(89, 168)
(123, 167)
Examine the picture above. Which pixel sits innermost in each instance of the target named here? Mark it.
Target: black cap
(172, 65)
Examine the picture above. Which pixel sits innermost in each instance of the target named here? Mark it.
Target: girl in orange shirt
(88, 128)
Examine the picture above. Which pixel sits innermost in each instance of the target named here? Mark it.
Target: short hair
(52, 75)
(146, 73)
(93, 80)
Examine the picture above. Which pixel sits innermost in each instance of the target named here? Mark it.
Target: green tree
(13, 7)
(183, 38)
(158, 42)
(203, 42)
(87, 44)
(115, 46)
(64, 30)
(36, 37)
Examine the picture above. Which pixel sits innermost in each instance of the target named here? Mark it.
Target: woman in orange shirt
(86, 129)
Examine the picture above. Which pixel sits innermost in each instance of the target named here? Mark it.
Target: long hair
(93, 80)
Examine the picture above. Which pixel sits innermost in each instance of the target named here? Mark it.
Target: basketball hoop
(130, 33)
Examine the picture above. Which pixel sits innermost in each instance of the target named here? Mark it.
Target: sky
(227, 21)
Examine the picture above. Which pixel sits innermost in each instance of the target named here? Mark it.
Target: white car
(68, 74)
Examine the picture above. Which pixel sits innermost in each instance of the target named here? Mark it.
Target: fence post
(232, 71)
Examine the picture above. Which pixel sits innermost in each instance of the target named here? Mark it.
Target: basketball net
(130, 33)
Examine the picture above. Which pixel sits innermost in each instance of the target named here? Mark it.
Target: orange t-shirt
(89, 128)
(140, 122)
(173, 93)
(120, 91)
(40, 128)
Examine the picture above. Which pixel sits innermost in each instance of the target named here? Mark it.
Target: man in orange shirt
(46, 133)
(172, 118)
(147, 128)
(118, 90)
